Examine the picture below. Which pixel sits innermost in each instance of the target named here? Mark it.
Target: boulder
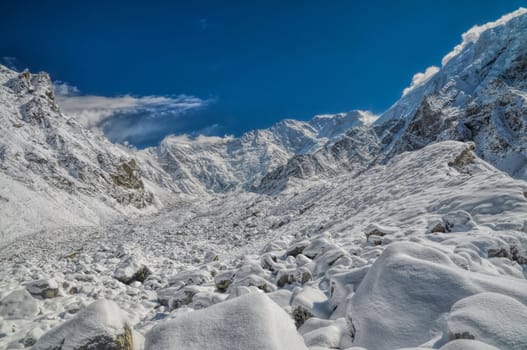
(190, 277)
(466, 344)
(492, 318)
(224, 280)
(45, 288)
(101, 325)
(404, 297)
(251, 321)
(131, 269)
(18, 305)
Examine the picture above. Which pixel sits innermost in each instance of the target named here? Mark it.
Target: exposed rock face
(58, 161)
(101, 325)
(127, 176)
(478, 95)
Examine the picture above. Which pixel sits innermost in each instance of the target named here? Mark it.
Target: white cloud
(92, 110)
(421, 78)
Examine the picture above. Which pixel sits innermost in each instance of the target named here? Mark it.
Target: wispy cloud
(92, 110)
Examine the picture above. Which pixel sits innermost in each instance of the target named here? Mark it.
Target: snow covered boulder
(380, 230)
(18, 305)
(45, 288)
(224, 280)
(308, 302)
(251, 321)
(458, 221)
(466, 344)
(131, 269)
(403, 299)
(327, 334)
(190, 277)
(32, 336)
(101, 325)
(492, 318)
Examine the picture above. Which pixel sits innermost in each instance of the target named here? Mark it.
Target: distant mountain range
(53, 172)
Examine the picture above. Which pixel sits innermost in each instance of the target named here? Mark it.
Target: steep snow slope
(479, 94)
(55, 173)
(352, 153)
(224, 164)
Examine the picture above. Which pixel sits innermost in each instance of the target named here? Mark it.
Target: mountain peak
(514, 21)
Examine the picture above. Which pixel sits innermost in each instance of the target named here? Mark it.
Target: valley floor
(426, 251)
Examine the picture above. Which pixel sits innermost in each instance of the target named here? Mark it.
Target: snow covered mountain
(225, 164)
(479, 94)
(348, 231)
(51, 164)
(55, 173)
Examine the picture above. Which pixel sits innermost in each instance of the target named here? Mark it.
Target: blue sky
(141, 70)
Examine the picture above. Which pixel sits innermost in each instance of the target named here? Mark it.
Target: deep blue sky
(258, 62)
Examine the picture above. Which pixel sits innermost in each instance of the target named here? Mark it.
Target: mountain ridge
(478, 95)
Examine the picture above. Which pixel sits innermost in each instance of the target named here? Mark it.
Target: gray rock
(131, 269)
(45, 288)
(18, 305)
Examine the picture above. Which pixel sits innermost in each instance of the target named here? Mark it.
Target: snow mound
(410, 288)
(466, 344)
(102, 325)
(251, 321)
(493, 318)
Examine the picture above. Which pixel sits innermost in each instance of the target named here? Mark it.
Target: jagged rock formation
(479, 95)
(47, 157)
